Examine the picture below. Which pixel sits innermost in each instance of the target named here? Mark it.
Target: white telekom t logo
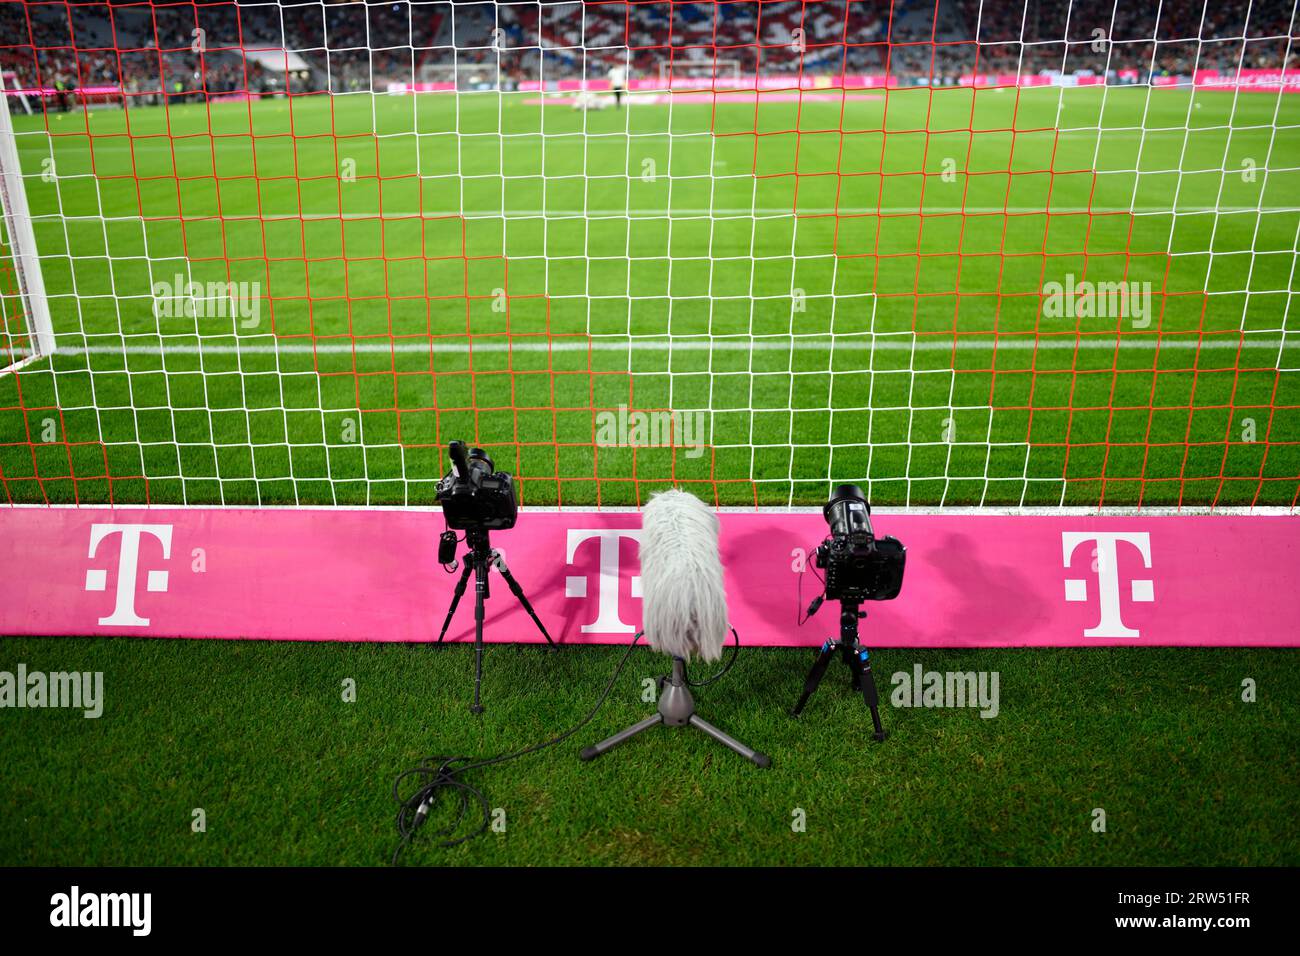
(1076, 589)
(575, 585)
(128, 561)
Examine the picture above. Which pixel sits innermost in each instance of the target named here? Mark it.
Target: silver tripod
(677, 709)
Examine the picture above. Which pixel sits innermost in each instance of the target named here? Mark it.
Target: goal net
(958, 252)
(714, 71)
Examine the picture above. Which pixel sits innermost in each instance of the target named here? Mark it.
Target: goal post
(9, 81)
(28, 331)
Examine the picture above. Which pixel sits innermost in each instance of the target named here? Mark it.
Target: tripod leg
(759, 759)
(456, 596)
(480, 598)
(523, 599)
(591, 753)
(814, 676)
(860, 662)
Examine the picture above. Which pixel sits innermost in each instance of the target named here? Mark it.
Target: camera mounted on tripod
(858, 565)
(477, 499)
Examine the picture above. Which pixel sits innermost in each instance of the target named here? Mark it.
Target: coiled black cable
(440, 776)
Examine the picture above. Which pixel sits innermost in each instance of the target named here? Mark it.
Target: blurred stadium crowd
(190, 50)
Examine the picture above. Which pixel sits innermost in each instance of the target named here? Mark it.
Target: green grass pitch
(258, 736)
(393, 221)
(435, 266)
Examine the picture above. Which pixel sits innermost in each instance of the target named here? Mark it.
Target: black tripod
(855, 656)
(479, 559)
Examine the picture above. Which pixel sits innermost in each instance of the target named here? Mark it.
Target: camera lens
(848, 513)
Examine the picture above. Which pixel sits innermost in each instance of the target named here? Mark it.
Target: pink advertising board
(974, 579)
(54, 91)
(1029, 79)
(1249, 81)
(774, 81)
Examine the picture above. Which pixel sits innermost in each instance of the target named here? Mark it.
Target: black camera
(474, 495)
(859, 566)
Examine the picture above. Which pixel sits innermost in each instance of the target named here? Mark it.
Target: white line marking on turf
(535, 344)
(728, 212)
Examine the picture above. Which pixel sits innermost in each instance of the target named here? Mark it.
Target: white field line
(189, 141)
(568, 344)
(726, 212)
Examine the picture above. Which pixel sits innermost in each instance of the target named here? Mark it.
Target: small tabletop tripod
(677, 709)
(855, 656)
(480, 558)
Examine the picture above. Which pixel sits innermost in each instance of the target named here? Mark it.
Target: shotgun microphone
(684, 612)
(684, 605)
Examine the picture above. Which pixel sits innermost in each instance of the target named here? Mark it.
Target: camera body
(474, 495)
(858, 565)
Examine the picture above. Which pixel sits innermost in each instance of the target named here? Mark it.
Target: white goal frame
(680, 71)
(22, 247)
